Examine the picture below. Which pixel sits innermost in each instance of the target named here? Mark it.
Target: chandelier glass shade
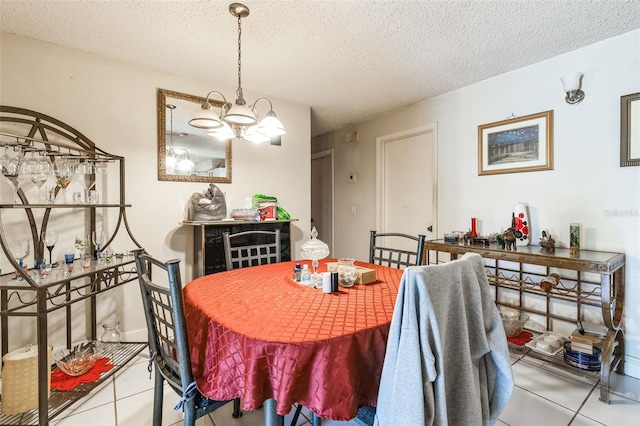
(238, 120)
(177, 158)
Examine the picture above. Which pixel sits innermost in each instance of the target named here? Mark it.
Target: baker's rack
(35, 133)
(590, 279)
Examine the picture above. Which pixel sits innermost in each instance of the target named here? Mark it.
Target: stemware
(50, 240)
(19, 250)
(99, 168)
(64, 175)
(11, 170)
(81, 244)
(97, 237)
(80, 171)
(39, 169)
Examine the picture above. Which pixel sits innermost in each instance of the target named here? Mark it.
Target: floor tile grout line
(547, 399)
(584, 402)
(115, 401)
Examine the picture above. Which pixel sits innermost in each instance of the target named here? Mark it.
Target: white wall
(114, 104)
(586, 186)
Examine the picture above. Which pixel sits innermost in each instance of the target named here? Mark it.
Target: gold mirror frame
(191, 138)
(630, 130)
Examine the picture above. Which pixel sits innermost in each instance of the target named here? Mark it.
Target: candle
(20, 380)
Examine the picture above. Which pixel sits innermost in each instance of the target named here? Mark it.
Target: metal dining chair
(248, 254)
(389, 252)
(466, 352)
(166, 326)
(251, 248)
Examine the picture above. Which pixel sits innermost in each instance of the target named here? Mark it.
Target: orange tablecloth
(256, 334)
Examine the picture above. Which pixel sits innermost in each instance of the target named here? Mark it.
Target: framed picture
(521, 144)
(630, 130)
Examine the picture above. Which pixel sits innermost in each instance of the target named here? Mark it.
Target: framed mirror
(186, 153)
(630, 130)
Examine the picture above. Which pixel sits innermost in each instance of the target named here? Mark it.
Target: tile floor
(543, 395)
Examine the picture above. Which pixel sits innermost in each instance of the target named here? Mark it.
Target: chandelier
(177, 158)
(238, 120)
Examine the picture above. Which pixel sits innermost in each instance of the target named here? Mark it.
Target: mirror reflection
(186, 153)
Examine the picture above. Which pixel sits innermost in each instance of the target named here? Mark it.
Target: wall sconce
(571, 84)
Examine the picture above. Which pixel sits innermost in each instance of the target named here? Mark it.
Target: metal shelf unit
(589, 280)
(37, 134)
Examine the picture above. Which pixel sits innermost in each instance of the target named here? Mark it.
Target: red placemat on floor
(521, 338)
(61, 381)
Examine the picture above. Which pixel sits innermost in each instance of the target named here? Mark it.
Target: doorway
(322, 195)
(406, 182)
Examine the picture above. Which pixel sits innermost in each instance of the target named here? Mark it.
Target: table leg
(271, 418)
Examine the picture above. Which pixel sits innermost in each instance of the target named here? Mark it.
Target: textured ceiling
(349, 60)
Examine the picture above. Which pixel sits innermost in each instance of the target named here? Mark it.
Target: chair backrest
(447, 332)
(164, 313)
(399, 256)
(251, 248)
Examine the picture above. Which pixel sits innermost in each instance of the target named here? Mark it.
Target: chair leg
(294, 419)
(189, 413)
(316, 420)
(158, 394)
(236, 409)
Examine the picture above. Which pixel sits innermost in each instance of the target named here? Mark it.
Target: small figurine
(467, 238)
(499, 241)
(548, 244)
(509, 239)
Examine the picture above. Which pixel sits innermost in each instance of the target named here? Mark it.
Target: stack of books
(585, 342)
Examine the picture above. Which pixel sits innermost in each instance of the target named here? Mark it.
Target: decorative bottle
(521, 224)
(574, 238)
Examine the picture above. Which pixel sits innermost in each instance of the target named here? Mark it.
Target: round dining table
(256, 334)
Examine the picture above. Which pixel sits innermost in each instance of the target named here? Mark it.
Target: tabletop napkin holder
(20, 380)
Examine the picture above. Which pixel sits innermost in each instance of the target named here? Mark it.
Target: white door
(322, 195)
(407, 182)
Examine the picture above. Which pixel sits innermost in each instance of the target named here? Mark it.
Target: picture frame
(630, 130)
(516, 145)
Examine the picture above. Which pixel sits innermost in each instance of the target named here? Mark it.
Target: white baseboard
(139, 335)
(632, 366)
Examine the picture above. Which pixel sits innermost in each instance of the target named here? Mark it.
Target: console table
(208, 247)
(591, 283)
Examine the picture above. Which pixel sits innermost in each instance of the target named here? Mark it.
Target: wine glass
(50, 240)
(11, 170)
(81, 244)
(80, 171)
(98, 238)
(98, 168)
(64, 175)
(39, 169)
(19, 250)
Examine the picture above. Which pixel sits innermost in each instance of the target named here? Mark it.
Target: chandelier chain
(239, 57)
(171, 111)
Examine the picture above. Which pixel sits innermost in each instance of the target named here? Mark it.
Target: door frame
(316, 156)
(380, 172)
